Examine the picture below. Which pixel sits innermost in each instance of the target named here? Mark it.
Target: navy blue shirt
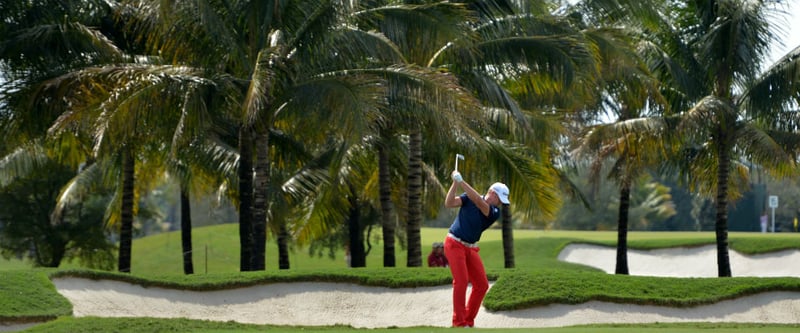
(470, 222)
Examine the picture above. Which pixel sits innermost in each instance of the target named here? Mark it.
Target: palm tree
(186, 232)
(62, 46)
(627, 92)
(172, 111)
(708, 55)
(280, 52)
(477, 53)
(534, 59)
(54, 55)
(415, 31)
(200, 165)
(295, 186)
(115, 106)
(100, 46)
(342, 196)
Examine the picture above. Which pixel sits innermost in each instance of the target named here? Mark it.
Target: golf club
(458, 157)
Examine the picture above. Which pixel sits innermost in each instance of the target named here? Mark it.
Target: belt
(453, 237)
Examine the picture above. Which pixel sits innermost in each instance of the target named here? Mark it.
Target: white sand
(370, 307)
(684, 262)
(314, 304)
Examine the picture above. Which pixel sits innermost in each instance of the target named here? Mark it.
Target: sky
(791, 38)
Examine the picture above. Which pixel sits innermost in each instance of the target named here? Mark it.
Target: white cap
(502, 192)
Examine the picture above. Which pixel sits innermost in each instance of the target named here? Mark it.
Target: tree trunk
(414, 200)
(721, 225)
(355, 235)
(283, 247)
(508, 237)
(260, 200)
(622, 228)
(126, 219)
(53, 246)
(57, 252)
(245, 199)
(387, 217)
(186, 233)
(56, 241)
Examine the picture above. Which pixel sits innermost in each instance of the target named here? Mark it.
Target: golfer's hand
(457, 177)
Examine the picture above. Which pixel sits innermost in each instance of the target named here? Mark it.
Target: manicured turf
(28, 295)
(217, 248)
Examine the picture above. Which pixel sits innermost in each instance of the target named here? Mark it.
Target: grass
(12, 264)
(26, 295)
(217, 248)
(521, 290)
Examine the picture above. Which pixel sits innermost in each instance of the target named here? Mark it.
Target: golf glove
(457, 177)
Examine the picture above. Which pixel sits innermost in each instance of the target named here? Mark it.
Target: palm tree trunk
(622, 228)
(721, 225)
(283, 247)
(245, 199)
(260, 199)
(186, 233)
(126, 219)
(508, 238)
(355, 235)
(414, 199)
(387, 218)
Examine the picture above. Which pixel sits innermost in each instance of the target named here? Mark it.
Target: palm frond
(494, 94)
(621, 12)
(66, 36)
(420, 30)
(83, 184)
(347, 48)
(708, 112)
(347, 102)
(532, 180)
(777, 89)
(22, 160)
(739, 41)
(764, 149)
(639, 130)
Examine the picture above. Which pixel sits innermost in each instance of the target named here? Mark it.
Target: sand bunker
(684, 262)
(314, 304)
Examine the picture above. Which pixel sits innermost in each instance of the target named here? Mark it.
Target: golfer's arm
(476, 198)
(452, 200)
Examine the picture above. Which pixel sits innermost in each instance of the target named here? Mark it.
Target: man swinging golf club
(476, 214)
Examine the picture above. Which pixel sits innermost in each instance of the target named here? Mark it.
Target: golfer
(476, 214)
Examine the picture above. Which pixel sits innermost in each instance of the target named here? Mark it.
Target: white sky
(791, 30)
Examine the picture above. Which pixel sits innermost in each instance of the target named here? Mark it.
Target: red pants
(467, 267)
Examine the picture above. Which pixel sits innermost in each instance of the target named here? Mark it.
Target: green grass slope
(29, 296)
(216, 248)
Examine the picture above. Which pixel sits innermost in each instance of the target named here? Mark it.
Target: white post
(773, 219)
(773, 203)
